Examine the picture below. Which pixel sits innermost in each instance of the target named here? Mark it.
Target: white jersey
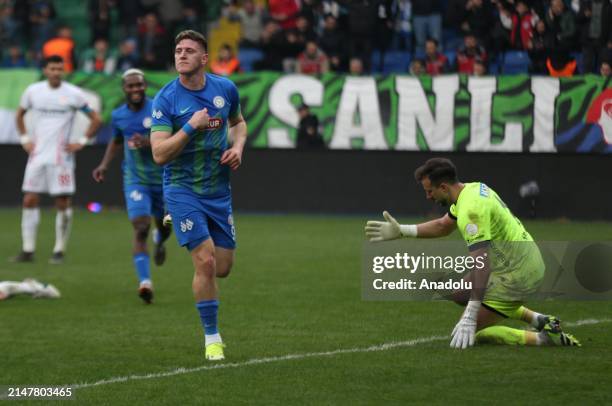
(53, 112)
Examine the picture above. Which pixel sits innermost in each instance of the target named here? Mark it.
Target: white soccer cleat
(48, 292)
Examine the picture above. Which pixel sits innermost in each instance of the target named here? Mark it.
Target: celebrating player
(50, 167)
(192, 116)
(142, 178)
(513, 264)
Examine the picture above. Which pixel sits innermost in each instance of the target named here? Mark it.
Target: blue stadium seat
(494, 65)
(515, 62)
(579, 66)
(451, 56)
(248, 57)
(394, 62)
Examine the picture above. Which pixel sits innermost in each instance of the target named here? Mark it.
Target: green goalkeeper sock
(509, 336)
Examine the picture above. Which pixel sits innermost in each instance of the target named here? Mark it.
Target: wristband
(189, 130)
(83, 140)
(408, 230)
(472, 308)
(25, 139)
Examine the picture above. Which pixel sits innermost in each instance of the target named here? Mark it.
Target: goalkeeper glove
(464, 333)
(388, 230)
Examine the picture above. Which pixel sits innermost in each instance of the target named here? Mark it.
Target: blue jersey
(197, 167)
(139, 168)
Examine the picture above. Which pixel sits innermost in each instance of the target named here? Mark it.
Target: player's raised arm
(237, 133)
(390, 229)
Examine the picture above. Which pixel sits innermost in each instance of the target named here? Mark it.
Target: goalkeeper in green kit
(513, 264)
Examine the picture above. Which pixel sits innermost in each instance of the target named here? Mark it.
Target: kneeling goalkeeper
(513, 264)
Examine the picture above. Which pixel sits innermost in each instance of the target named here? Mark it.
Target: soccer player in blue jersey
(192, 118)
(142, 177)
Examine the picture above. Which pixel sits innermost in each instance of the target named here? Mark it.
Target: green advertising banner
(444, 113)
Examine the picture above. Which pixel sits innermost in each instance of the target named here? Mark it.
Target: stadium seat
(394, 62)
(515, 62)
(451, 56)
(579, 66)
(248, 57)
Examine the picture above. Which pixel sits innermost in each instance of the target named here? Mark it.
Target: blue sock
(141, 263)
(208, 315)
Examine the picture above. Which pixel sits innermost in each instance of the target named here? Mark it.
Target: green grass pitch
(295, 289)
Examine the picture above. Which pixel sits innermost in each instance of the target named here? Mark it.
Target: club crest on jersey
(146, 123)
(219, 102)
(157, 114)
(471, 229)
(214, 123)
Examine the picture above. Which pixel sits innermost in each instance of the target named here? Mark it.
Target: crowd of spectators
(318, 36)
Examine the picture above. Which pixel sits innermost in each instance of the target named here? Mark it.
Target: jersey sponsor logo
(185, 110)
(471, 229)
(186, 225)
(219, 102)
(146, 123)
(157, 114)
(214, 123)
(484, 190)
(136, 196)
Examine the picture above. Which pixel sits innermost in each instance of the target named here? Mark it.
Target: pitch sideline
(289, 357)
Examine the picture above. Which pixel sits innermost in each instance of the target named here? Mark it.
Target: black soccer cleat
(146, 294)
(22, 257)
(57, 258)
(159, 257)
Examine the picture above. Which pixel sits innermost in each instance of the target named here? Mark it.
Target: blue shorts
(196, 218)
(144, 201)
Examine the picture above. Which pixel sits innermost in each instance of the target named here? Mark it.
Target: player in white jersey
(50, 167)
(28, 287)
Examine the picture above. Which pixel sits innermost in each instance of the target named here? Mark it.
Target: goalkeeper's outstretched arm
(390, 229)
(440, 227)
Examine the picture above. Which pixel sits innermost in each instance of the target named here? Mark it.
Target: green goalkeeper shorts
(516, 286)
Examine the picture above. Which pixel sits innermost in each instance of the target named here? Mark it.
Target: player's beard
(140, 101)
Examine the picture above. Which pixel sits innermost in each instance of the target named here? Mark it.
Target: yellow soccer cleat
(214, 352)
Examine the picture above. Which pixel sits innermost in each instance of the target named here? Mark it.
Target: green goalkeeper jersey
(483, 219)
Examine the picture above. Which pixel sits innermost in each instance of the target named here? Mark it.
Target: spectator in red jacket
(435, 62)
(285, 12)
(523, 22)
(468, 53)
(312, 60)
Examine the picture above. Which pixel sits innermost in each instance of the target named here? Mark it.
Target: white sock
(29, 225)
(542, 338)
(63, 223)
(212, 338)
(535, 319)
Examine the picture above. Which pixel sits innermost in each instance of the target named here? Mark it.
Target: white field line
(267, 360)
(290, 357)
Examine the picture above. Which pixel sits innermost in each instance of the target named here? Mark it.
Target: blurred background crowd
(420, 37)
